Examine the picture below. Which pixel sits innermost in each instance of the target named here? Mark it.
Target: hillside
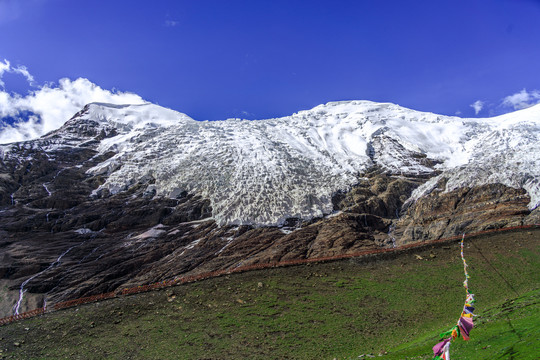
(124, 195)
(395, 303)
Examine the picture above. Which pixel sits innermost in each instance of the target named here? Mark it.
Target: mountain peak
(133, 115)
(262, 172)
(129, 194)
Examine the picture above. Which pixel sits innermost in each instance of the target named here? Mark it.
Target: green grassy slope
(390, 303)
(505, 331)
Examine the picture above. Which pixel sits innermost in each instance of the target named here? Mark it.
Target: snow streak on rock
(22, 290)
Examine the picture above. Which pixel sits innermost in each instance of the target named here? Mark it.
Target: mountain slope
(262, 172)
(340, 309)
(131, 194)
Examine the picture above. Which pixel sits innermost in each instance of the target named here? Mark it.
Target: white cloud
(5, 67)
(478, 105)
(171, 23)
(51, 105)
(247, 113)
(522, 99)
(24, 72)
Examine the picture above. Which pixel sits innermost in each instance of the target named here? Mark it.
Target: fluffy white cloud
(522, 99)
(49, 106)
(24, 72)
(5, 67)
(478, 105)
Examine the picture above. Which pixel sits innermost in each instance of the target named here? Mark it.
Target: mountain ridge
(126, 195)
(332, 142)
(337, 146)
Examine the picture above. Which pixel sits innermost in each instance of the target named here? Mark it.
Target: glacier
(261, 172)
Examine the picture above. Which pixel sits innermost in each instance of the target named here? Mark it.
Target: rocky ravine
(65, 234)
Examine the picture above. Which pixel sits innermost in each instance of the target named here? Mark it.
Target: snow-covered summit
(134, 116)
(264, 171)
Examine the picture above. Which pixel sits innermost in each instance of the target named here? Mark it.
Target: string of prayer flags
(441, 351)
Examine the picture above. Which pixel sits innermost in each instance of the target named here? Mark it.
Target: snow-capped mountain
(128, 194)
(263, 172)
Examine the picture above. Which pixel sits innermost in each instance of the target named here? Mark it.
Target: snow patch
(190, 246)
(81, 231)
(154, 232)
(228, 240)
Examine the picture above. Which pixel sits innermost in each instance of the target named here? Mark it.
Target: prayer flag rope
(441, 351)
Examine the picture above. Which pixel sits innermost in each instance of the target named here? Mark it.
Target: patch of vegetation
(506, 331)
(343, 309)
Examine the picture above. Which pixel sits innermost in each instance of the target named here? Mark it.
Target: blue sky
(260, 59)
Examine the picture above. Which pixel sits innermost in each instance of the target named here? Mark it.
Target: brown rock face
(363, 220)
(468, 210)
(63, 244)
(378, 194)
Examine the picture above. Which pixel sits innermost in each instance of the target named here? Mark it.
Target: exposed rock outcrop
(444, 214)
